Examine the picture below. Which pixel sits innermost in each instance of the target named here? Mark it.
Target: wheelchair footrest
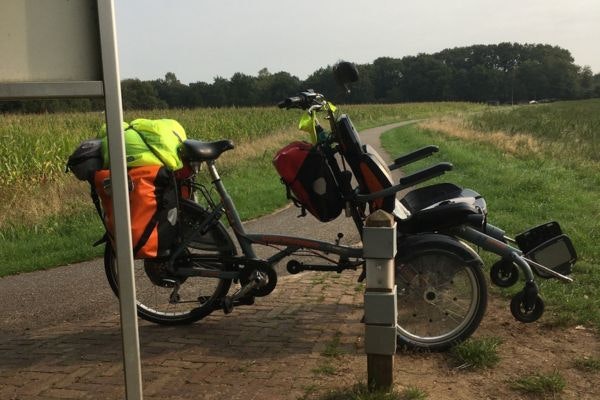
(549, 247)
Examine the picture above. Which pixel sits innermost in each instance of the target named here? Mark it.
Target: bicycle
(442, 290)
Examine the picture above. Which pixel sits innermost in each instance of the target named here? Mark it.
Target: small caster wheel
(294, 267)
(227, 305)
(504, 273)
(523, 313)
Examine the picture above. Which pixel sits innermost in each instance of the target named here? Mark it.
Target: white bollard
(379, 250)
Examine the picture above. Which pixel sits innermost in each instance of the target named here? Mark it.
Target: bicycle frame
(291, 243)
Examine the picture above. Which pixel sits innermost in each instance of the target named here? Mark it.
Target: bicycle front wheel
(441, 299)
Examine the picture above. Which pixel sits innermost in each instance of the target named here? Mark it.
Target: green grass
(523, 191)
(477, 353)
(324, 369)
(25, 249)
(591, 364)
(413, 393)
(542, 384)
(254, 199)
(361, 392)
(308, 391)
(333, 349)
(576, 124)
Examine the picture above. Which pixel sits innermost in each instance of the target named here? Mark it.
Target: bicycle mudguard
(443, 216)
(411, 243)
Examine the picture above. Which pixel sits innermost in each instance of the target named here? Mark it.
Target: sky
(199, 40)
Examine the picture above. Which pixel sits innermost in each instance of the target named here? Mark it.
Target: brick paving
(274, 349)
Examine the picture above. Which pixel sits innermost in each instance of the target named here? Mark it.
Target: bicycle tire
(441, 296)
(199, 295)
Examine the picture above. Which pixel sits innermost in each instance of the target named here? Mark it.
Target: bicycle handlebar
(291, 102)
(303, 100)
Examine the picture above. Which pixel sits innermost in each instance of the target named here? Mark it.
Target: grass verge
(591, 364)
(575, 125)
(476, 353)
(523, 190)
(361, 392)
(333, 349)
(324, 369)
(541, 384)
(49, 243)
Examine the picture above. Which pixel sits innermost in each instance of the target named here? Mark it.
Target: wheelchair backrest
(369, 169)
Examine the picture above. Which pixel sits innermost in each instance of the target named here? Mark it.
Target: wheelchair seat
(443, 215)
(421, 198)
(429, 208)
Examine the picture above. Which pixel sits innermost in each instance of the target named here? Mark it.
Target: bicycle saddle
(196, 150)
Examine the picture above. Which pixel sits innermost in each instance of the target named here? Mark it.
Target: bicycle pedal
(227, 305)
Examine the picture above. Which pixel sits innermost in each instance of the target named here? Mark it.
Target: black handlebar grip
(291, 102)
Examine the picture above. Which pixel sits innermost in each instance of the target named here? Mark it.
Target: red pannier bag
(309, 180)
(153, 204)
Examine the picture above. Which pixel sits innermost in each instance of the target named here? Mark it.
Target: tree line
(505, 73)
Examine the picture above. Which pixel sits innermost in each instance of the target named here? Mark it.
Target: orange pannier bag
(153, 208)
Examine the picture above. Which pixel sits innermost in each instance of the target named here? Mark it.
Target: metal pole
(379, 237)
(118, 173)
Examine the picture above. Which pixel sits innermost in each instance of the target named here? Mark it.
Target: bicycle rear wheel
(157, 300)
(441, 299)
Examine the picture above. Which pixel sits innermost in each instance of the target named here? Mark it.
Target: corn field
(34, 148)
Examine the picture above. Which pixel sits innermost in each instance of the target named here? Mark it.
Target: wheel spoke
(156, 283)
(439, 299)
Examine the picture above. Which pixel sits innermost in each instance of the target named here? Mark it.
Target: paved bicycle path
(60, 332)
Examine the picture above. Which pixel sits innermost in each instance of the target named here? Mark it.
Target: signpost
(62, 49)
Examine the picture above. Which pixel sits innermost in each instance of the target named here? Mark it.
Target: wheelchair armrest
(425, 174)
(413, 156)
(408, 181)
